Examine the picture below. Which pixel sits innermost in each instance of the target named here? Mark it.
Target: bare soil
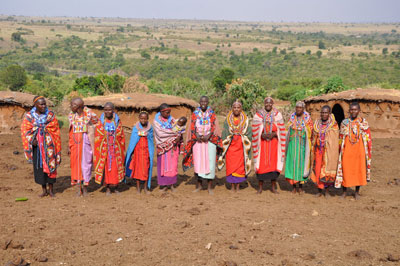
(175, 228)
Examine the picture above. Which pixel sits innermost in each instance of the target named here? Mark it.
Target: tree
(223, 77)
(17, 37)
(385, 51)
(35, 67)
(308, 52)
(321, 45)
(145, 55)
(248, 92)
(14, 77)
(334, 84)
(319, 54)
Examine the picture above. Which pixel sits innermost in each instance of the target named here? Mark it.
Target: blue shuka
(137, 132)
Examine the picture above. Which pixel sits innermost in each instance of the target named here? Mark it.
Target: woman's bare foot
(84, 191)
(210, 191)
(259, 191)
(79, 192)
(44, 194)
(318, 195)
(294, 191)
(198, 188)
(173, 189)
(357, 196)
(327, 194)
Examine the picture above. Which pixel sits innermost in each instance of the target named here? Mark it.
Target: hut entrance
(337, 111)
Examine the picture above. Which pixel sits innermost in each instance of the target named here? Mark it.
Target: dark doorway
(337, 111)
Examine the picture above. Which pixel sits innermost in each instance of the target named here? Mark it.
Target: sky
(238, 10)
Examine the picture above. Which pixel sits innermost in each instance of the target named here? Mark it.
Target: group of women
(303, 149)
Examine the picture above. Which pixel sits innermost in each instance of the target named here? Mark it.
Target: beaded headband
(38, 98)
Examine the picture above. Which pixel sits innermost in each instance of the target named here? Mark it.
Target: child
(180, 127)
(139, 158)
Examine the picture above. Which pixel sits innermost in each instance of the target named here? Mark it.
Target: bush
(98, 85)
(35, 67)
(223, 77)
(17, 37)
(334, 84)
(321, 45)
(14, 77)
(250, 93)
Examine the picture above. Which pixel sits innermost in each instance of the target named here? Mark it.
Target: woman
(324, 151)
(269, 142)
(167, 148)
(201, 149)
(354, 166)
(42, 144)
(236, 147)
(298, 143)
(139, 157)
(80, 148)
(109, 150)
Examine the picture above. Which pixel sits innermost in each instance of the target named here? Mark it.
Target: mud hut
(128, 105)
(381, 108)
(13, 106)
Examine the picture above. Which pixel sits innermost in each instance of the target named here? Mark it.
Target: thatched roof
(139, 101)
(19, 98)
(374, 95)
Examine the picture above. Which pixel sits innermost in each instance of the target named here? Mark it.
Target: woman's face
(75, 106)
(143, 119)
(354, 111)
(268, 105)
(108, 112)
(325, 114)
(204, 103)
(165, 113)
(236, 109)
(299, 110)
(41, 106)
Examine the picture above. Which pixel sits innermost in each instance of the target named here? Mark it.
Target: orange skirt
(354, 164)
(140, 162)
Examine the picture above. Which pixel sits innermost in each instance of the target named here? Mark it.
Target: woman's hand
(34, 142)
(264, 136)
(199, 138)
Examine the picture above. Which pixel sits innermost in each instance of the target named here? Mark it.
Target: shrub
(14, 77)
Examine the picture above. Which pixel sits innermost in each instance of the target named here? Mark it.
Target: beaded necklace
(354, 130)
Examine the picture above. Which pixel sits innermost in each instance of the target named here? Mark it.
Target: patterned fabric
(79, 124)
(325, 144)
(230, 130)
(163, 133)
(109, 146)
(45, 129)
(263, 122)
(205, 118)
(298, 144)
(352, 129)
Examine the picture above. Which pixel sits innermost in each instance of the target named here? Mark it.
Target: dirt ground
(175, 228)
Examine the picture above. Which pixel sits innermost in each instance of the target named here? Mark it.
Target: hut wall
(129, 117)
(10, 117)
(383, 117)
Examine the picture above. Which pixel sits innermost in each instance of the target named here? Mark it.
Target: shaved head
(77, 105)
(77, 100)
